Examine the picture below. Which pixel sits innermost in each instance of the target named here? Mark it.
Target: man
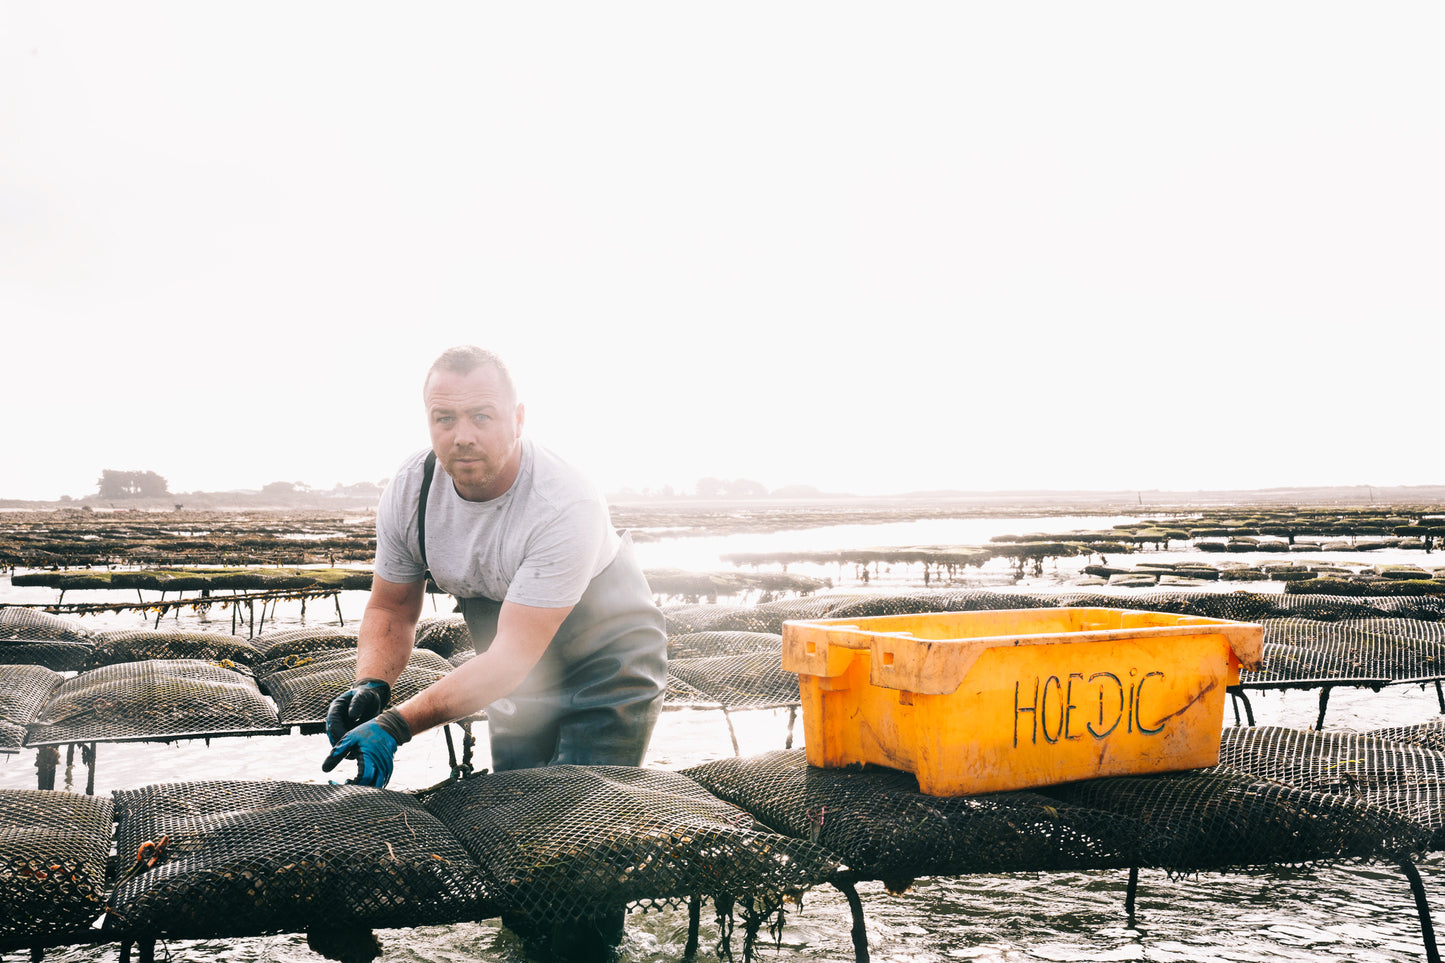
(571, 650)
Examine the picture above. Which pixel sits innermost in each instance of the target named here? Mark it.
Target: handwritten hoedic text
(1056, 708)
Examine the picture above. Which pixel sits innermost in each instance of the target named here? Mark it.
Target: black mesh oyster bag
(1223, 819)
(685, 618)
(704, 645)
(681, 695)
(1407, 779)
(303, 639)
(21, 624)
(166, 698)
(244, 858)
(1367, 650)
(53, 849)
(303, 693)
(139, 645)
(766, 617)
(883, 828)
(740, 681)
(32, 637)
(941, 600)
(60, 656)
(1426, 735)
(577, 842)
(446, 635)
(24, 690)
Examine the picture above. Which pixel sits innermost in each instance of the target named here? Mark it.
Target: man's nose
(465, 434)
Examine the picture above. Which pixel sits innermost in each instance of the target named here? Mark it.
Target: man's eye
(481, 419)
(444, 419)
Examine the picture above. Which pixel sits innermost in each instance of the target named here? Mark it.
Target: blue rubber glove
(354, 706)
(373, 745)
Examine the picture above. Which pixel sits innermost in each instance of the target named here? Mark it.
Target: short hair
(466, 358)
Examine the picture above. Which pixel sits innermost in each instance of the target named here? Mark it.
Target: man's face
(476, 429)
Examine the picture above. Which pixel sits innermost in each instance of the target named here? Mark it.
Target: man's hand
(373, 745)
(356, 705)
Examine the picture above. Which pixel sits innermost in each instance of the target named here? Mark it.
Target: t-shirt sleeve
(562, 557)
(397, 558)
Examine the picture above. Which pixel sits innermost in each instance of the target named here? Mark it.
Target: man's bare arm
(388, 628)
(523, 634)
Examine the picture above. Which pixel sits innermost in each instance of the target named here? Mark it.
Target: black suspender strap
(428, 468)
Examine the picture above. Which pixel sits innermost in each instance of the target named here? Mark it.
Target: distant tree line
(730, 488)
(724, 488)
(357, 489)
(148, 484)
(131, 484)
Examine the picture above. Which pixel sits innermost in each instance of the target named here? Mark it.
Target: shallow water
(1363, 913)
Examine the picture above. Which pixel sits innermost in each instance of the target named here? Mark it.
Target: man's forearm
(385, 641)
(523, 634)
(463, 692)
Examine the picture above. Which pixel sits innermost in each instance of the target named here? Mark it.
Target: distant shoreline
(1119, 501)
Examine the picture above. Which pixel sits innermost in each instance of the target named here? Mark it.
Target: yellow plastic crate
(977, 702)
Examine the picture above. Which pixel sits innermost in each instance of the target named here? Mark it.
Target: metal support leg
(732, 732)
(694, 917)
(1239, 696)
(47, 758)
(1427, 929)
(793, 718)
(87, 755)
(1324, 701)
(860, 928)
(1440, 696)
(1133, 891)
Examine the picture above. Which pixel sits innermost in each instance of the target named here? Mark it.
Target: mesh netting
(1239, 606)
(20, 624)
(1255, 607)
(765, 617)
(702, 645)
(574, 842)
(1369, 649)
(1428, 608)
(702, 617)
(738, 681)
(60, 656)
(32, 637)
(279, 644)
(940, 600)
(1426, 735)
(1406, 779)
(680, 695)
(446, 635)
(1233, 606)
(24, 689)
(137, 645)
(1222, 818)
(163, 698)
(882, 827)
(1312, 638)
(247, 858)
(53, 848)
(303, 693)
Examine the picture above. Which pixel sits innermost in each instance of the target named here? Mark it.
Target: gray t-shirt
(539, 544)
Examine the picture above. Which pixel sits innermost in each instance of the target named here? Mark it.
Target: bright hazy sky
(869, 247)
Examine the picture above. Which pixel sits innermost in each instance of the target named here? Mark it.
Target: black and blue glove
(356, 705)
(373, 745)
